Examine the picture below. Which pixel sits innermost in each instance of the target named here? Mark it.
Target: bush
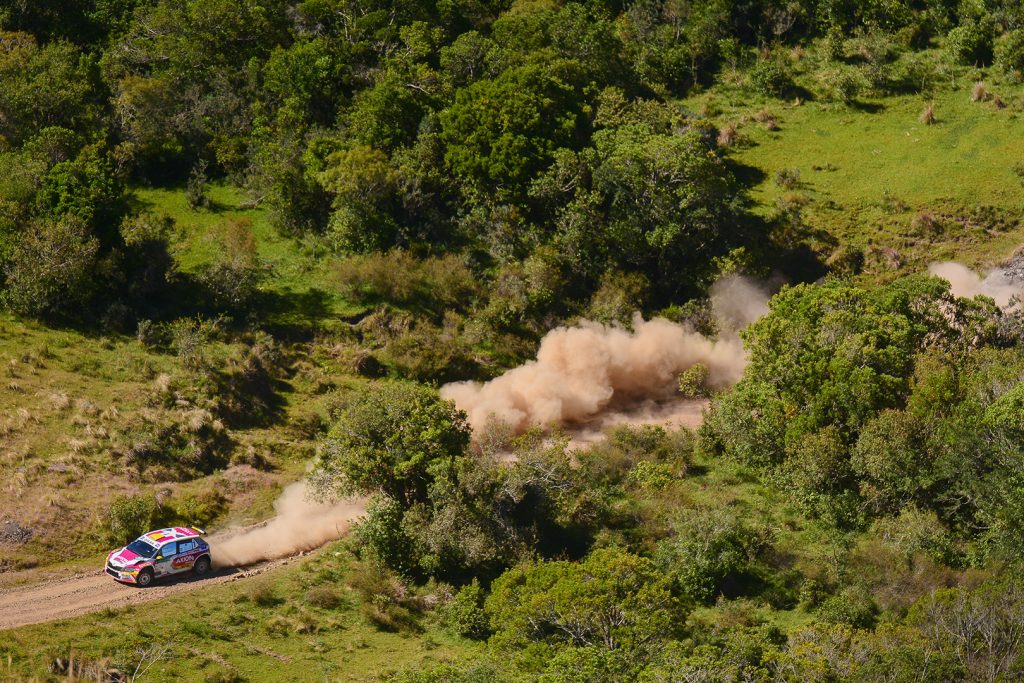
(195, 189)
(853, 607)
(970, 43)
(1009, 55)
(618, 297)
(233, 280)
(787, 178)
(324, 597)
(840, 83)
(771, 77)
(709, 550)
(263, 593)
(129, 517)
(465, 614)
(693, 382)
(51, 269)
(386, 602)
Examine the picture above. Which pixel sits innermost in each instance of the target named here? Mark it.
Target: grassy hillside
(872, 175)
(306, 621)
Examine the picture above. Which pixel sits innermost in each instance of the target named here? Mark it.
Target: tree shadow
(290, 315)
(747, 176)
(866, 107)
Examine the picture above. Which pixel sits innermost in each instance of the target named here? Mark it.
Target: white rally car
(160, 553)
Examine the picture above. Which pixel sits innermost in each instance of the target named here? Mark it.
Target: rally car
(160, 553)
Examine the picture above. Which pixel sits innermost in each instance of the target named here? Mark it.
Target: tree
(52, 85)
(708, 551)
(51, 270)
(613, 604)
(364, 185)
(826, 361)
(500, 132)
(386, 440)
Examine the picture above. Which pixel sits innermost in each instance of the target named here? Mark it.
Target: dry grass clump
(927, 224)
(979, 93)
(728, 135)
(60, 401)
(927, 116)
(997, 102)
(766, 119)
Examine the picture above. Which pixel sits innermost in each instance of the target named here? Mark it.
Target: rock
(12, 533)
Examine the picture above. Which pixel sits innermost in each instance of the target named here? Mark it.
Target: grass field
(864, 171)
(271, 628)
(299, 277)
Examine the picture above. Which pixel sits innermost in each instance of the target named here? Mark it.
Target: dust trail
(1000, 284)
(299, 525)
(677, 412)
(582, 372)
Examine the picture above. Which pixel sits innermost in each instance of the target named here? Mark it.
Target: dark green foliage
(465, 614)
(825, 364)
(129, 517)
(387, 441)
(51, 270)
(48, 85)
(771, 78)
(500, 132)
(195, 189)
(609, 613)
(1009, 54)
(971, 43)
(708, 553)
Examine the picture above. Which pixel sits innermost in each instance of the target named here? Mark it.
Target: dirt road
(88, 592)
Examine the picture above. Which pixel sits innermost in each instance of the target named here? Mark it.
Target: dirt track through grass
(93, 591)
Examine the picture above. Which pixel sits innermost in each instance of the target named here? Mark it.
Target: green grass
(300, 278)
(221, 629)
(868, 168)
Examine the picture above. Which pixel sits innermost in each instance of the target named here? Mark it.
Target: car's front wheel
(145, 578)
(202, 566)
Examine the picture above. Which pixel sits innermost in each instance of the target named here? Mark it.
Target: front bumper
(121, 574)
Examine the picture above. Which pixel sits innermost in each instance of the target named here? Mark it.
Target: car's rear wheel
(145, 578)
(202, 566)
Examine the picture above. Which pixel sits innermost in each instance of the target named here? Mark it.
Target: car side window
(168, 550)
(186, 546)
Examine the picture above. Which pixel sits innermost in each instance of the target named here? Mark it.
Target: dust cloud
(590, 370)
(299, 525)
(999, 284)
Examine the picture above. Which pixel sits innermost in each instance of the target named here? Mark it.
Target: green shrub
(1009, 54)
(709, 550)
(853, 607)
(129, 517)
(970, 43)
(202, 508)
(465, 614)
(650, 475)
(839, 83)
(324, 597)
(693, 382)
(51, 269)
(619, 296)
(771, 77)
(195, 189)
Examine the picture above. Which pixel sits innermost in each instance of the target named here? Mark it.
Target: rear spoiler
(198, 530)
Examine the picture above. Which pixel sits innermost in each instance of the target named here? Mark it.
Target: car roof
(170, 534)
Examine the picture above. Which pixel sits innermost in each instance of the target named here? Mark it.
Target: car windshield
(140, 547)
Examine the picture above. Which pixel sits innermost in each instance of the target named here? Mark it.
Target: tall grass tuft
(928, 115)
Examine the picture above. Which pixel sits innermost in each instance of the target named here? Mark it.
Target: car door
(165, 558)
(188, 551)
